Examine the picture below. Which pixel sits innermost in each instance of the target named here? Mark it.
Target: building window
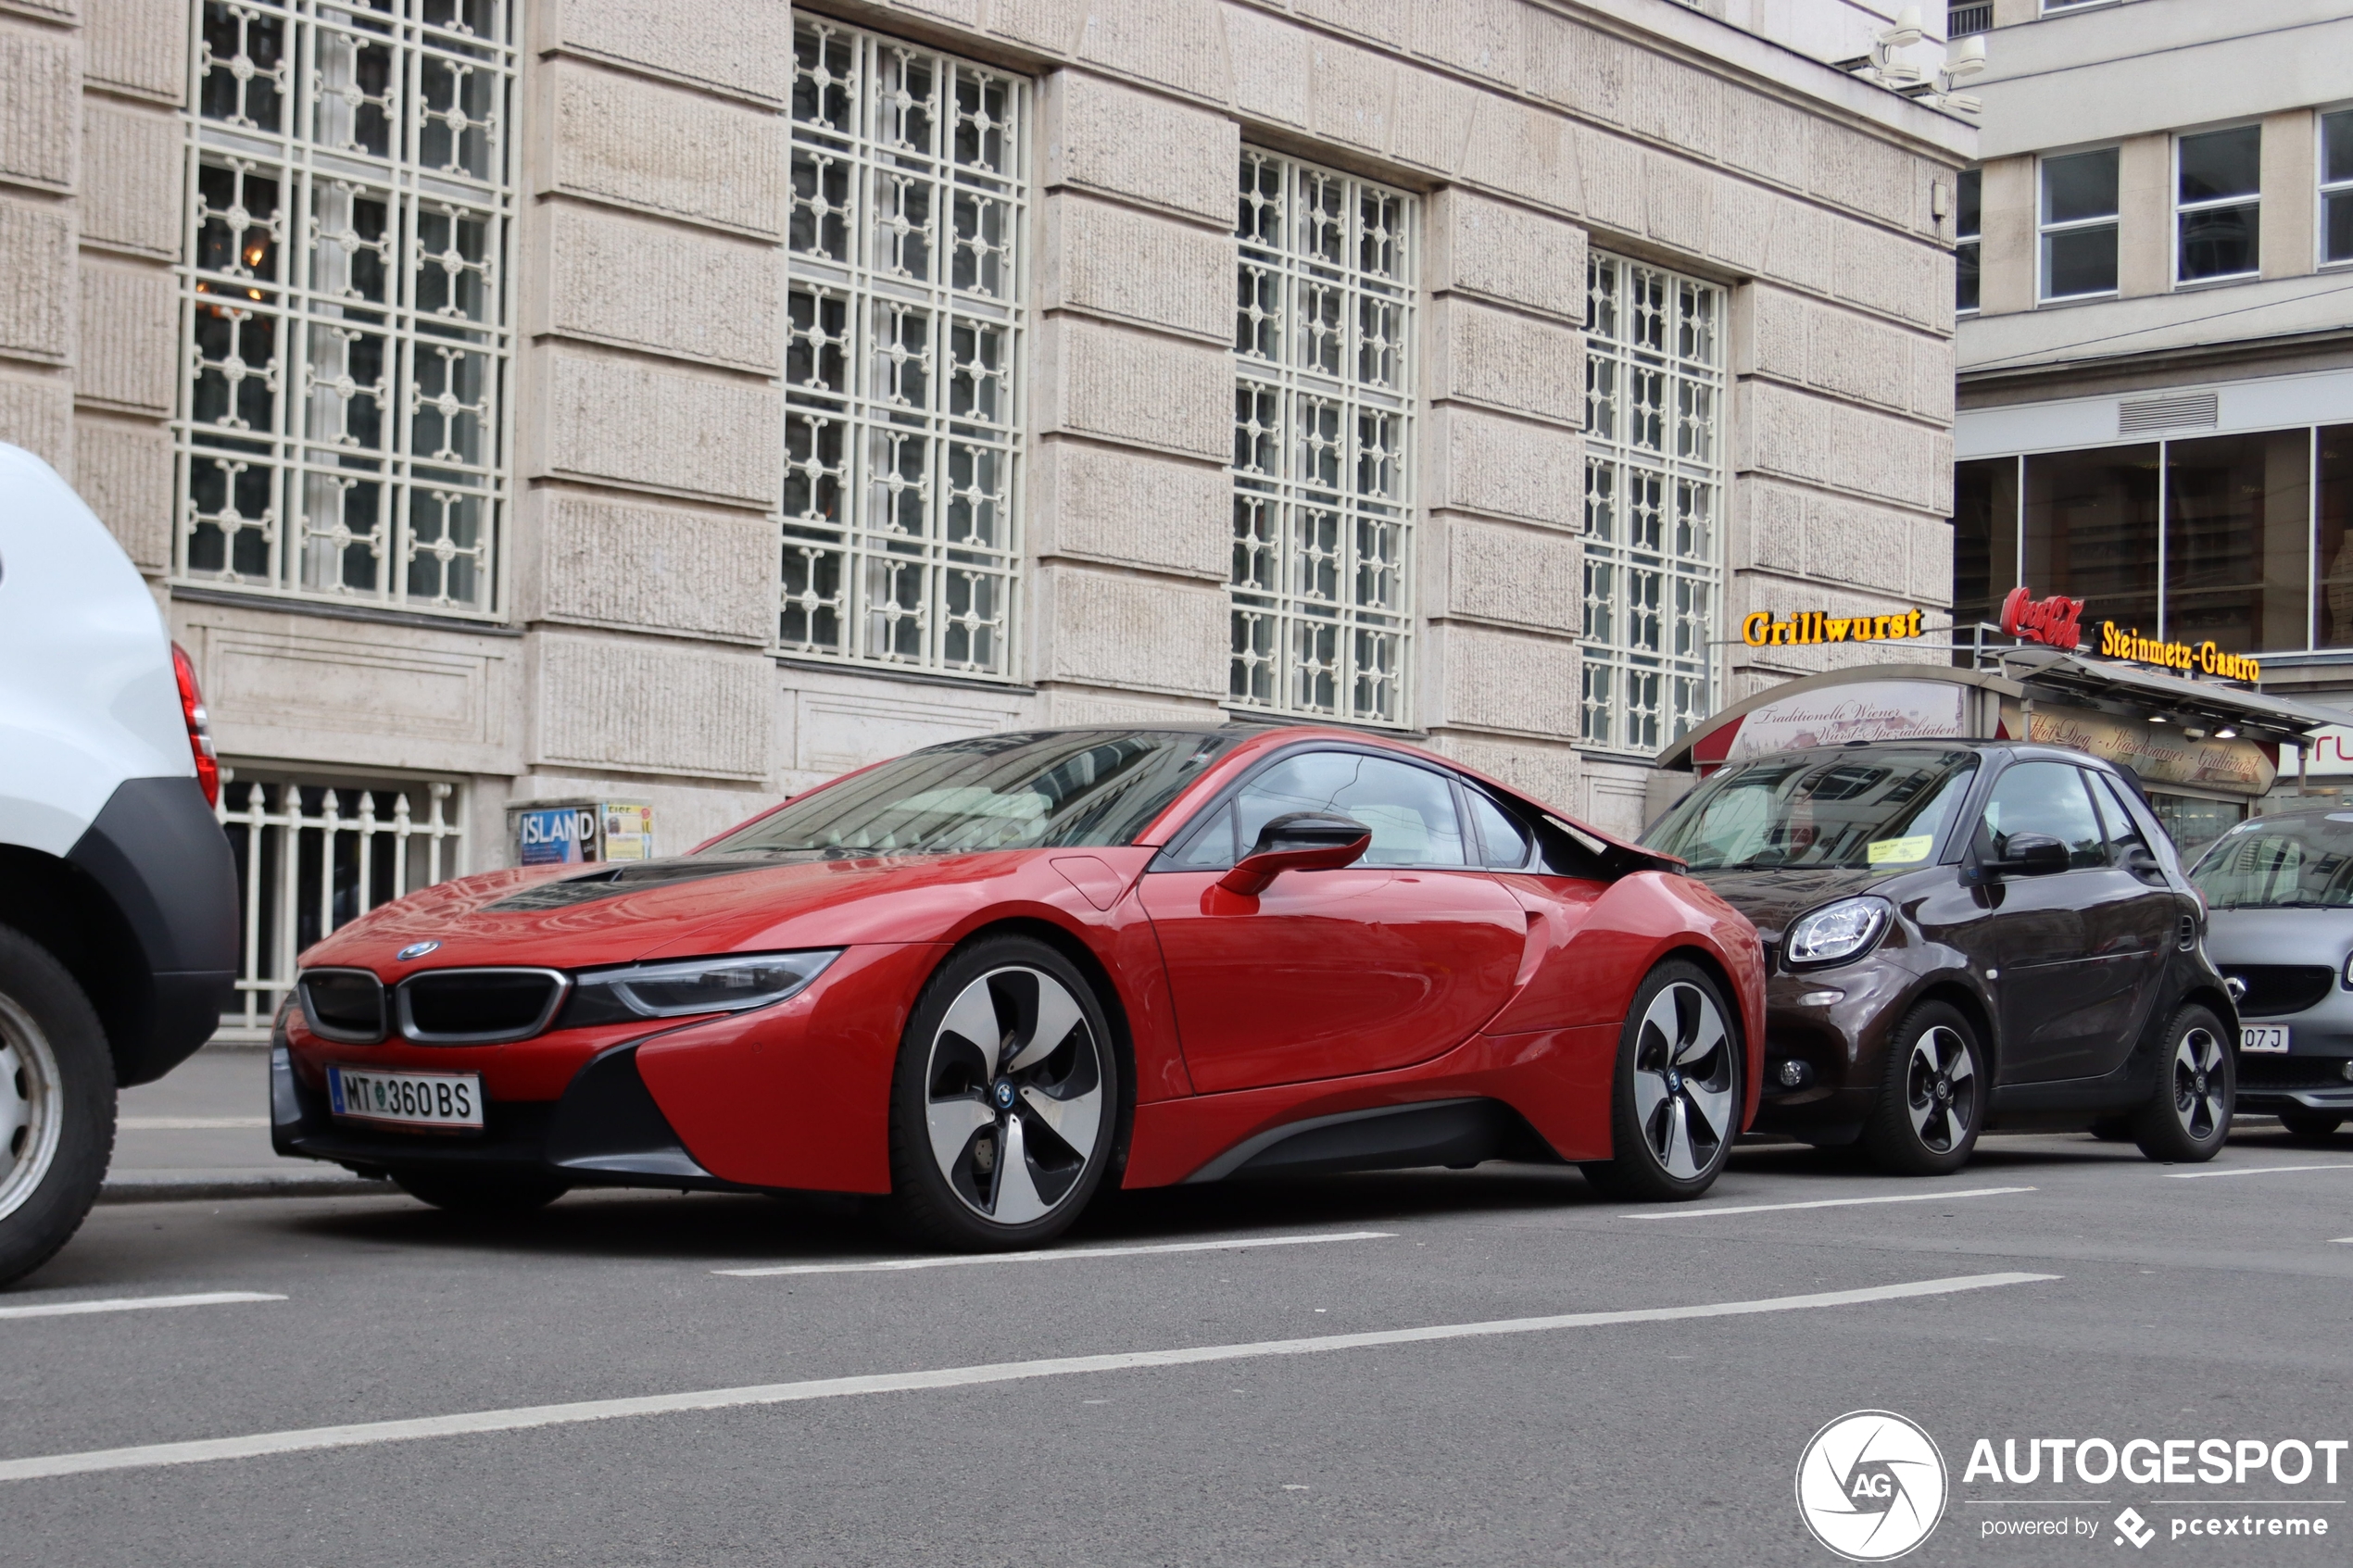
(1323, 418)
(2079, 225)
(2217, 203)
(341, 424)
(1963, 20)
(1968, 248)
(2336, 187)
(1655, 460)
(902, 422)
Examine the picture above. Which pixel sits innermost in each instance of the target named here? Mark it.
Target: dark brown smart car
(1963, 934)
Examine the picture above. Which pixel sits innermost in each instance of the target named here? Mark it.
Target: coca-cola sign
(2053, 621)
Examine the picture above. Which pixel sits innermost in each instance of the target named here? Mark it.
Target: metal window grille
(344, 351)
(902, 398)
(1655, 481)
(1323, 416)
(1963, 20)
(312, 857)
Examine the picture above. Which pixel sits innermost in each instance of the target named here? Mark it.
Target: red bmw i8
(988, 977)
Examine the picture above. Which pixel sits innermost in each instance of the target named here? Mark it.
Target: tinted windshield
(2281, 862)
(1021, 791)
(1867, 807)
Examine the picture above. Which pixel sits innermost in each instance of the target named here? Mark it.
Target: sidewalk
(204, 1131)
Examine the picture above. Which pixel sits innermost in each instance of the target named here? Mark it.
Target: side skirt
(1390, 1137)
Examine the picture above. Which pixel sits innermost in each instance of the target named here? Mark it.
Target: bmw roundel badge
(414, 950)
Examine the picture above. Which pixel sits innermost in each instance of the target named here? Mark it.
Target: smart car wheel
(1675, 1101)
(2188, 1114)
(1932, 1100)
(478, 1194)
(2310, 1124)
(1006, 1099)
(56, 1105)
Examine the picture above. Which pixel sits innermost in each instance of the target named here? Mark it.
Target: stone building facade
(2156, 367)
(602, 399)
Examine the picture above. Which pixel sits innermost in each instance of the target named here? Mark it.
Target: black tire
(2187, 1118)
(2313, 1125)
(480, 1195)
(1045, 1084)
(56, 1105)
(1677, 1095)
(2113, 1129)
(1932, 1094)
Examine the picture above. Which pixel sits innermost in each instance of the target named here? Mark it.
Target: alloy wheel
(30, 1104)
(1683, 1089)
(1940, 1089)
(1013, 1094)
(2198, 1082)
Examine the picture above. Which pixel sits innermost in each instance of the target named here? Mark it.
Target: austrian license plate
(2263, 1037)
(408, 1100)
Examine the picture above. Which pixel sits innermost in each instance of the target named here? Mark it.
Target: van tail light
(199, 725)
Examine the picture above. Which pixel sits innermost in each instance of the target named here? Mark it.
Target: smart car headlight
(1836, 932)
(675, 988)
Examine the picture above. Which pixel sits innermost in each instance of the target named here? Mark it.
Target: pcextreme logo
(1870, 1485)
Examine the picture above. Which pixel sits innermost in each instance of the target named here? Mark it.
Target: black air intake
(2274, 990)
(477, 1007)
(345, 1005)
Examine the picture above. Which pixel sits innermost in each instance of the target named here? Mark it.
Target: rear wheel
(1675, 1105)
(1933, 1100)
(2188, 1114)
(56, 1105)
(2310, 1124)
(1005, 1103)
(480, 1194)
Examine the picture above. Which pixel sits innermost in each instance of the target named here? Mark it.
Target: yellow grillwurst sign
(2117, 641)
(1809, 627)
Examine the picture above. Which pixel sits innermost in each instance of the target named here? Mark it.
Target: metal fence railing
(312, 855)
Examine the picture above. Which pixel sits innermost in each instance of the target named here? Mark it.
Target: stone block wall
(649, 283)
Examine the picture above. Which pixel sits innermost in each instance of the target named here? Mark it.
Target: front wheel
(56, 1105)
(1005, 1103)
(1932, 1100)
(2188, 1113)
(2310, 1124)
(1675, 1101)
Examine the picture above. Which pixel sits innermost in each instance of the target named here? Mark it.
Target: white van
(118, 891)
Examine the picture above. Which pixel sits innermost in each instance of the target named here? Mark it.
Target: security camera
(1906, 30)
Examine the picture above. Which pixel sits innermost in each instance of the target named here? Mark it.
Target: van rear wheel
(56, 1105)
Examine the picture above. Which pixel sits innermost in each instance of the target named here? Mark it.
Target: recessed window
(2079, 225)
(1323, 417)
(1654, 477)
(2336, 186)
(2220, 184)
(1966, 246)
(345, 305)
(903, 431)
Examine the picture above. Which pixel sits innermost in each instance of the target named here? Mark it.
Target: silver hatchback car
(2279, 892)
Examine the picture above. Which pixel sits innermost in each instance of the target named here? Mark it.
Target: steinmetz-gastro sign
(2116, 641)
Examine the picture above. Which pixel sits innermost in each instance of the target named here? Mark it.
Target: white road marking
(1051, 1255)
(186, 1124)
(2251, 1171)
(368, 1432)
(1682, 1213)
(134, 1304)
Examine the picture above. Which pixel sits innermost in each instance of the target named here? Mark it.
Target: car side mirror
(2030, 854)
(1298, 841)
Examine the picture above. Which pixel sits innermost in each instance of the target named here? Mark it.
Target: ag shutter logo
(1870, 1485)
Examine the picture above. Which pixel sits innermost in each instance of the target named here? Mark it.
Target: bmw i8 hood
(1771, 899)
(579, 917)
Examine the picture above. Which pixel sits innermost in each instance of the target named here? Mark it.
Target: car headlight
(729, 983)
(1836, 931)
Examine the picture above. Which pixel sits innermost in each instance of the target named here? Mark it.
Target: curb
(179, 1186)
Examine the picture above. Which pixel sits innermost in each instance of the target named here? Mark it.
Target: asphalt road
(2181, 1302)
